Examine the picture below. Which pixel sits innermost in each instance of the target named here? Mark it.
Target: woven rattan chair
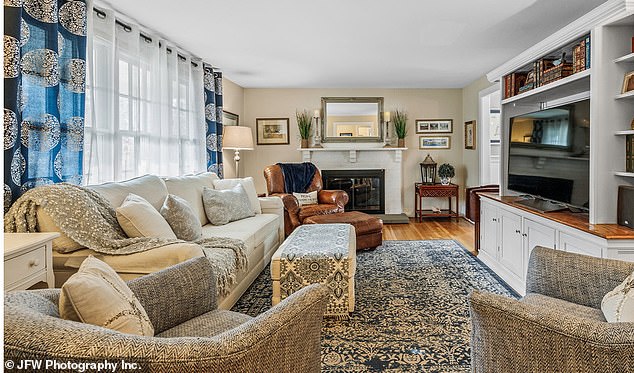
(558, 326)
(191, 334)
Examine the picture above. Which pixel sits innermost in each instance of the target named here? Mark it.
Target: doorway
(489, 135)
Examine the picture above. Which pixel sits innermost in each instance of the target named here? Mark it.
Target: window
(145, 108)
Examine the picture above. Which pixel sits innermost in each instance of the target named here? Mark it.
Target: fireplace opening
(365, 188)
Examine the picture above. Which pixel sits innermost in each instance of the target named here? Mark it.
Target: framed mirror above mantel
(352, 119)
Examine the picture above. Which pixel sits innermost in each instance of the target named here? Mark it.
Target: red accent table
(435, 191)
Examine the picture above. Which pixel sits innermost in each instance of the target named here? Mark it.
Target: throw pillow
(224, 206)
(249, 186)
(618, 304)
(139, 218)
(306, 198)
(97, 295)
(181, 218)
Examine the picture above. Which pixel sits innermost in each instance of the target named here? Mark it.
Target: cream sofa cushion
(97, 295)
(618, 304)
(190, 188)
(139, 219)
(248, 185)
(130, 266)
(253, 231)
(150, 187)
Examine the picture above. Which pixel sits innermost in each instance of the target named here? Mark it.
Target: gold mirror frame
(351, 100)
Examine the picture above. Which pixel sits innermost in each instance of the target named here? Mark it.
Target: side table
(435, 191)
(28, 259)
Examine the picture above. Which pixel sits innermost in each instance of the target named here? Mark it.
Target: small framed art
(230, 119)
(470, 134)
(628, 82)
(272, 131)
(434, 142)
(434, 125)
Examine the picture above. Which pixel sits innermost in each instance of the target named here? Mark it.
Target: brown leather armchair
(330, 201)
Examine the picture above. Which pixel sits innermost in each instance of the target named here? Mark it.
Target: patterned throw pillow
(181, 218)
(97, 295)
(224, 206)
(618, 305)
(249, 187)
(306, 198)
(138, 218)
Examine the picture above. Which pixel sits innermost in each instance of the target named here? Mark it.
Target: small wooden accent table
(435, 191)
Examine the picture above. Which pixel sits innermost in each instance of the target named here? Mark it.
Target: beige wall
(232, 101)
(418, 103)
(470, 106)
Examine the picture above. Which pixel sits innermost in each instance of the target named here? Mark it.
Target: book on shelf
(629, 153)
(587, 51)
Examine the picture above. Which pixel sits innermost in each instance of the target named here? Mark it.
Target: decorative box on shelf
(556, 72)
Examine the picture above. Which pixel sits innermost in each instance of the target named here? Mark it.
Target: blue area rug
(411, 311)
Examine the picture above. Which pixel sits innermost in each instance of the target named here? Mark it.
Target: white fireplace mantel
(352, 152)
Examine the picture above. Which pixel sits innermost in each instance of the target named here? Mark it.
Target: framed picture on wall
(230, 119)
(272, 131)
(434, 125)
(470, 134)
(434, 142)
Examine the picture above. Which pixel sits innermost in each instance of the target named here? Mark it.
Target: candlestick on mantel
(317, 132)
(386, 116)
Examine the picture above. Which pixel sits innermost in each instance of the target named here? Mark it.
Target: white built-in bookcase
(611, 28)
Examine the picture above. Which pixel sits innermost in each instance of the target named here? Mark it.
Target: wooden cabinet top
(575, 220)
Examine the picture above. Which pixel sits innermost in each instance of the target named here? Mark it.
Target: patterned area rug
(411, 310)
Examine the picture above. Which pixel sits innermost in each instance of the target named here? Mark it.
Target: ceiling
(354, 43)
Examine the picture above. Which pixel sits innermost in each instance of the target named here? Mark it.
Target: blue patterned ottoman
(318, 253)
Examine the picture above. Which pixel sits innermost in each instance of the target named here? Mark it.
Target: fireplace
(365, 188)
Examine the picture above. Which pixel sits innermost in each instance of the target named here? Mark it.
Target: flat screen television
(549, 156)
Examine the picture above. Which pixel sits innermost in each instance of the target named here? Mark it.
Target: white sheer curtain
(145, 105)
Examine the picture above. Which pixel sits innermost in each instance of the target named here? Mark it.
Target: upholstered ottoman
(325, 254)
(369, 228)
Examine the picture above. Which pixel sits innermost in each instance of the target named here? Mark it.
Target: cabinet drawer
(24, 265)
(579, 245)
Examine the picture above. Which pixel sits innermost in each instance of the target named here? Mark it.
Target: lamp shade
(237, 137)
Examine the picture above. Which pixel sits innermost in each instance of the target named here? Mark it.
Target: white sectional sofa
(262, 233)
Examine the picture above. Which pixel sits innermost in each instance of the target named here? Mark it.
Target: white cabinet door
(579, 245)
(488, 229)
(536, 234)
(511, 245)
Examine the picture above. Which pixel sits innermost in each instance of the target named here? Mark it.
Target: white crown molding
(604, 13)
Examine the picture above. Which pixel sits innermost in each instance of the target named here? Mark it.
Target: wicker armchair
(191, 334)
(558, 326)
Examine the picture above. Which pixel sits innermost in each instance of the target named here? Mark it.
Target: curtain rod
(127, 28)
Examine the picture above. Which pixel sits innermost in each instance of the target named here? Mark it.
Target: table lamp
(237, 138)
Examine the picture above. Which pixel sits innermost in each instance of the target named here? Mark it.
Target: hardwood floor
(430, 229)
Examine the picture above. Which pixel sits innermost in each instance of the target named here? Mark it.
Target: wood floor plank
(433, 229)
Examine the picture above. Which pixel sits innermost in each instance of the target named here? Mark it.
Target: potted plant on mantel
(446, 172)
(400, 126)
(304, 123)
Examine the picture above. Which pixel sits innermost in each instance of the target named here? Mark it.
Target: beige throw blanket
(88, 218)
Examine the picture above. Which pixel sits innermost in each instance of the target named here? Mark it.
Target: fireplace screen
(365, 188)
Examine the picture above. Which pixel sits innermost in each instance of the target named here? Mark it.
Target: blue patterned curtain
(44, 85)
(213, 117)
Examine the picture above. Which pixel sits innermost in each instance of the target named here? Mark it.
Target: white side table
(28, 259)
